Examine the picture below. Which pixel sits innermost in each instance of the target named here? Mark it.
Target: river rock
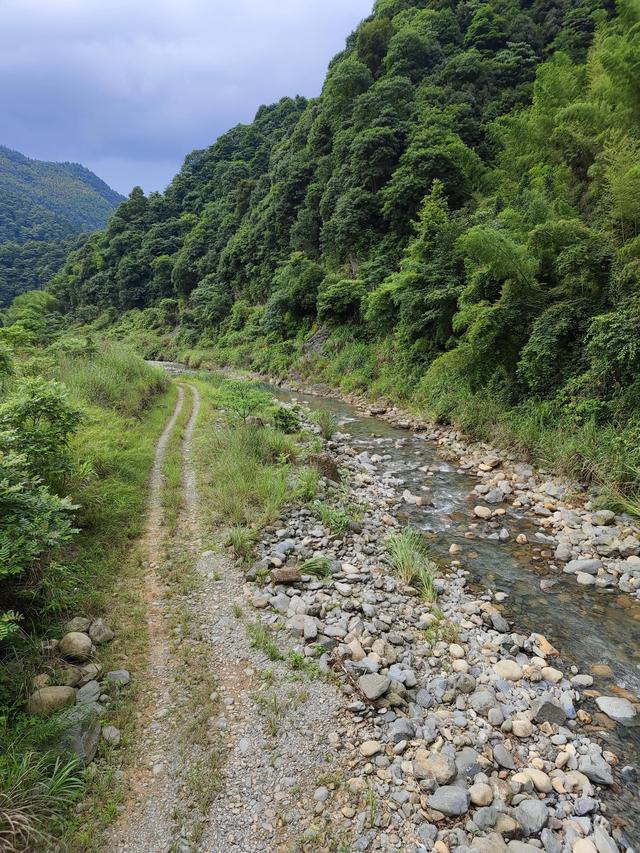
(589, 567)
(481, 794)
(374, 685)
(370, 747)
(616, 707)
(438, 766)
(286, 575)
(47, 700)
(503, 757)
(326, 465)
(482, 512)
(508, 669)
(548, 710)
(450, 800)
(532, 815)
(75, 646)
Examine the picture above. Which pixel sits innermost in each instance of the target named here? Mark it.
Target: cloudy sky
(128, 87)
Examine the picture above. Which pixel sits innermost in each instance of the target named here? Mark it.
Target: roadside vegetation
(452, 225)
(78, 423)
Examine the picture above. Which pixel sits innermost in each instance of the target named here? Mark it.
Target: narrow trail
(146, 823)
(268, 742)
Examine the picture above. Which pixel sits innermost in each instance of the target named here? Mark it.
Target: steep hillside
(43, 209)
(50, 201)
(458, 213)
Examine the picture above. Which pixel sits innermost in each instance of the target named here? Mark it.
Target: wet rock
(75, 646)
(482, 512)
(589, 567)
(47, 700)
(616, 707)
(596, 769)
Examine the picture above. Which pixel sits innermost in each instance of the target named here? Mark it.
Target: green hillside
(43, 208)
(453, 222)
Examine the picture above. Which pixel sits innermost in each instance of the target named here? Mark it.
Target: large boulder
(47, 700)
(75, 646)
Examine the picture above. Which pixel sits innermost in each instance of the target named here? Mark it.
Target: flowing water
(596, 630)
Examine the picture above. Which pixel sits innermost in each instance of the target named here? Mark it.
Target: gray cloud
(128, 87)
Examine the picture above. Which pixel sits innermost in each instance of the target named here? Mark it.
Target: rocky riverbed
(459, 732)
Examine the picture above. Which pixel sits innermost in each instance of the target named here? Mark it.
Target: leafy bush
(246, 399)
(38, 420)
(286, 420)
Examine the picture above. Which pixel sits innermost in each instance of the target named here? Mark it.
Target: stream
(596, 630)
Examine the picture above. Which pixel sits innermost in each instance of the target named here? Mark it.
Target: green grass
(112, 455)
(320, 566)
(409, 559)
(241, 542)
(327, 422)
(333, 518)
(262, 639)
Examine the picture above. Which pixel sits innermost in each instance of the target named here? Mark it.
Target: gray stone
(467, 764)
(492, 843)
(589, 567)
(450, 800)
(616, 707)
(100, 632)
(424, 699)
(604, 842)
(83, 735)
(596, 769)
(532, 815)
(118, 676)
(78, 623)
(374, 685)
(89, 692)
(548, 710)
(485, 817)
(503, 757)
(111, 735)
(483, 700)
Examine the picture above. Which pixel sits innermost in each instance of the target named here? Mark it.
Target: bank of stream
(597, 630)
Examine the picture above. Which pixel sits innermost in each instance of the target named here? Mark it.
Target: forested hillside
(43, 209)
(453, 221)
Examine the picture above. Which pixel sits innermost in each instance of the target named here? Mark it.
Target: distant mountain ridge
(45, 208)
(42, 200)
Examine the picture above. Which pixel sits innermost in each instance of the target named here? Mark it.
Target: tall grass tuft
(409, 559)
(327, 422)
(34, 789)
(113, 377)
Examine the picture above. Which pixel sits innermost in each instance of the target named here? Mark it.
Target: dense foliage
(454, 220)
(43, 207)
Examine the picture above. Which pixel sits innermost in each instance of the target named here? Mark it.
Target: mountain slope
(47, 201)
(43, 208)
(459, 211)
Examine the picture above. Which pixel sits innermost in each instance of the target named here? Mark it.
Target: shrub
(286, 420)
(243, 398)
(38, 420)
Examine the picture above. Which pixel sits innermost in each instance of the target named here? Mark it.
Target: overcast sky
(128, 87)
